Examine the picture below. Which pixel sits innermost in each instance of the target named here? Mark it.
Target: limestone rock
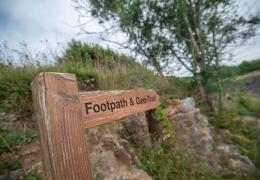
(109, 143)
(30, 157)
(228, 148)
(188, 104)
(13, 175)
(10, 122)
(234, 160)
(193, 131)
(242, 164)
(191, 128)
(112, 156)
(136, 128)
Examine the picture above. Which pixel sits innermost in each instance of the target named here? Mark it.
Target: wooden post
(60, 109)
(62, 131)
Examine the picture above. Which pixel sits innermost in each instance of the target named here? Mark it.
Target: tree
(193, 33)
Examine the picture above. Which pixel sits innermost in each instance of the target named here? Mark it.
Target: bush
(15, 90)
(243, 68)
(94, 66)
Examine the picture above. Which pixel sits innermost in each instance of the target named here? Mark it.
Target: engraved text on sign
(100, 107)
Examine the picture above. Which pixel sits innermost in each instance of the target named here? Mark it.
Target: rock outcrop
(194, 133)
(136, 128)
(192, 130)
(113, 157)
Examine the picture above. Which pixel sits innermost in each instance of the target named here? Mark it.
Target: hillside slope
(174, 140)
(249, 82)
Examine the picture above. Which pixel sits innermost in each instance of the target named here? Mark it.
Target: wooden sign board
(99, 107)
(63, 113)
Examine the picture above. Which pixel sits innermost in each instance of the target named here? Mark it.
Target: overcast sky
(33, 21)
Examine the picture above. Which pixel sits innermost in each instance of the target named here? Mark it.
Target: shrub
(15, 93)
(243, 68)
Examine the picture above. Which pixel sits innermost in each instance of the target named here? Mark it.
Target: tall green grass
(165, 161)
(244, 133)
(95, 68)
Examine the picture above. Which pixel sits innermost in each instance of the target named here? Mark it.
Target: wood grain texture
(63, 144)
(98, 97)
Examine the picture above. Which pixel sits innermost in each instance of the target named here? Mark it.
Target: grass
(245, 76)
(250, 103)
(9, 163)
(10, 139)
(33, 176)
(244, 134)
(102, 69)
(180, 88)
(94, 67)
(162, 163)
(15, 93)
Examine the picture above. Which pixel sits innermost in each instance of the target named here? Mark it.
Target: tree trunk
(206, 97)
(163, 80)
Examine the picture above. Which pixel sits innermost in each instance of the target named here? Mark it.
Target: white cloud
(35, 21)
(53, 20)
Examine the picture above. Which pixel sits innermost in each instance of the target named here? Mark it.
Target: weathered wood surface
(143, 100)
(63, 144)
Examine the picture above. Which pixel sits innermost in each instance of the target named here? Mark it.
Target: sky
(35, 21)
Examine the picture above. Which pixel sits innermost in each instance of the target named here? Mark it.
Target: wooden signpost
(63, 113)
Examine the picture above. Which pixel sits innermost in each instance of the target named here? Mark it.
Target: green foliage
(248, 66)
(162, 163)
(190, 33)
(241, 140)
(79, 53)
(161, 115)
(97, 173)
(243, 68)
(9, 139)
(95, 68)
(250, 103)
(15, 90)
(181, 87)
(9, 163)
(33, 176)
(245, 134)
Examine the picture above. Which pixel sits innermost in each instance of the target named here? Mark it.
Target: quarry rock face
(231, 158)
(252, 84)
(113, 157)
(136, 127)
(188, 104)
(193, 132)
